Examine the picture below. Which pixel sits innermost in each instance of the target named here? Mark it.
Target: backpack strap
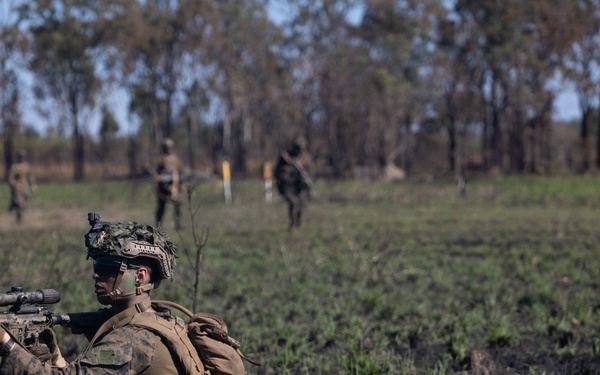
(119, 319)
(174, 332)
(173, 305)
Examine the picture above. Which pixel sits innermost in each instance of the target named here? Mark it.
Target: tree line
(373, 83)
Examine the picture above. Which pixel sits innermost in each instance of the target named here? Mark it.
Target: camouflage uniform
(290, 183)
(21, 182)
(126, 350)
(170, 190)
(124, 344)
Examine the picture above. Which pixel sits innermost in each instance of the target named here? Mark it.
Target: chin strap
(118, 293)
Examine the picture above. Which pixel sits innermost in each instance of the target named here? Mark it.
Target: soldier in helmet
(22, 183)
(293, 180)
(129, 260)
(169, 182)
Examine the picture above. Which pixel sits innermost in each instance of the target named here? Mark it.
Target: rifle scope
(16, 296)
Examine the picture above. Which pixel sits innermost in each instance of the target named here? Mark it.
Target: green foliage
(110, 238)
(401, 279)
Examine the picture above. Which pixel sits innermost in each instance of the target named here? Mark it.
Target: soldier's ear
(142, 276)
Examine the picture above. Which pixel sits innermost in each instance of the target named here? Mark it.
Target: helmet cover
(300, 142)
(130, 240)
(168, 144)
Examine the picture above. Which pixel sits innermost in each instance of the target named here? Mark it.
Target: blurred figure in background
(293, 180)
(22, 183)
(169, 182)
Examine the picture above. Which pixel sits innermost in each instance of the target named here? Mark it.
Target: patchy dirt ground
(57, 218)
(37, 219)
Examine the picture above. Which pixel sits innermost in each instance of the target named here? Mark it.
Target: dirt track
(57, 218)
(36, 219)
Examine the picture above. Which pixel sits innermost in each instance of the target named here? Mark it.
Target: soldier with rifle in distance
(22, 184)
(169, 183)
(293, 180)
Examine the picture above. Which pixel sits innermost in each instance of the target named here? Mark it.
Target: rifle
(167, 177)
(28, 317)
(305, 179)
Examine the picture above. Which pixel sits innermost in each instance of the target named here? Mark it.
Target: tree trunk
(517, 149)
(191, 132)
(598, 139)
(78, 148)
(584, 139)
(238, 146)
(451, 142)
(410, 150)
(495, 141)
(132, 157)
(10, 118)
(8, 151)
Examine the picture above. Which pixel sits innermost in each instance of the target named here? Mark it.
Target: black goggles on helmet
(107, 266)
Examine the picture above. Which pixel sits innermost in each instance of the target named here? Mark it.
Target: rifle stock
(185, 176)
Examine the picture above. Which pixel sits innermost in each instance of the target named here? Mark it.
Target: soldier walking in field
(22, 183)
(169, 182)
(293, 180)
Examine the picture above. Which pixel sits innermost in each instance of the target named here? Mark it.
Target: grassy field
(381, 279)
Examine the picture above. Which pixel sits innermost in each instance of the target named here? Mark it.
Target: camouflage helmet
(298, 145)
(168, 144)
(300, 142)
(21, 155)
(130, 240)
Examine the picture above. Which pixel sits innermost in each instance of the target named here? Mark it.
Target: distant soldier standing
(169, 187)
(293, 180)
(22, 183)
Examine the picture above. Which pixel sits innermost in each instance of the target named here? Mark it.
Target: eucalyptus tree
(332, 69)
(62, 39)
(516, 46)
(548, 35)
(400, 36)
(12, 45)
(582, 68)
(248, 78)
(196, 105)
(492, 31)
(153, 49)
(454, 79)
(108, 134)
(10, 116)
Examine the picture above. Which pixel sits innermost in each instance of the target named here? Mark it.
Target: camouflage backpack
(202, 346)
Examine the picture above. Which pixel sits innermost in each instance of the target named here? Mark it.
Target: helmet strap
(117, 293)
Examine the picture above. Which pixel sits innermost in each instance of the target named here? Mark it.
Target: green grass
(381, 279)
